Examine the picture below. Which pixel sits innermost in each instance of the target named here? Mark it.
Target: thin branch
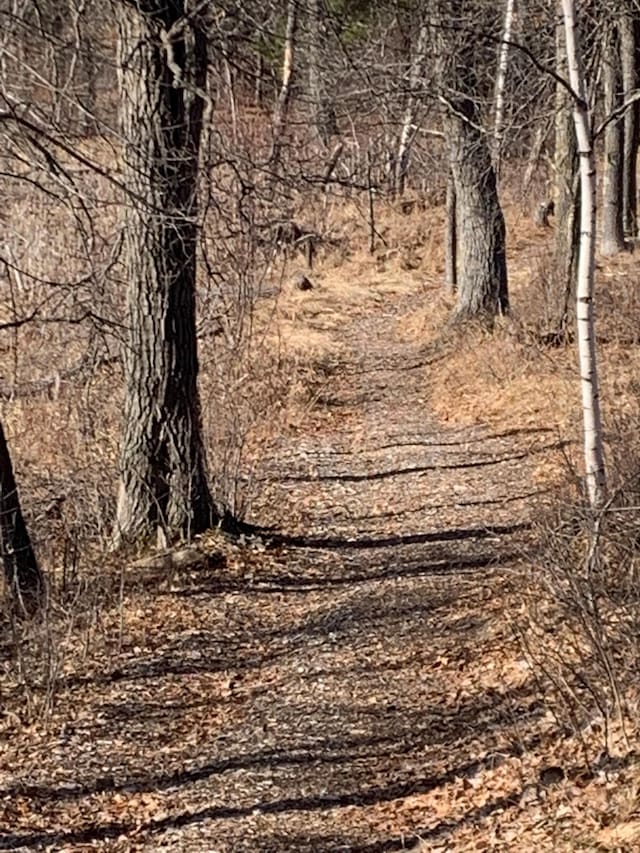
(617, 113)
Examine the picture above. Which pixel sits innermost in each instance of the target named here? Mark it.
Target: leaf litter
(347, 681)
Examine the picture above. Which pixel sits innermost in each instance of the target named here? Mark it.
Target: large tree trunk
(482, 281)
(24, 579)
(162, 78)
(612, 222)
(628, 50)
(589, 384)
(482, 274)
(482, 269)
(566, 197)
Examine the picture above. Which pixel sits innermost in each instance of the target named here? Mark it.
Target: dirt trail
(353, 687)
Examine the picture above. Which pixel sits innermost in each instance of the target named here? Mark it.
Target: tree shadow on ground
(340, 753)
(292, 581)
(216, 652)
(108, 831)
(456, 534)
(348, 477)
(394, 727)
(389, 593)
(460, 503)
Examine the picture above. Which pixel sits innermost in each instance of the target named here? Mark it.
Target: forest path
(354, 687)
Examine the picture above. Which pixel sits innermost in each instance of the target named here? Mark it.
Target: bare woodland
(319, 421)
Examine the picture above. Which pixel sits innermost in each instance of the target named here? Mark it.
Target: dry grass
(507, 378)
(510, 378)
(65, 442)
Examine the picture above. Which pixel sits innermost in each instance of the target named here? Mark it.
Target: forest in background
(301, 109)
(196, 195)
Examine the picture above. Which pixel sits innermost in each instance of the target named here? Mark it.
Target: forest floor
(351, 681)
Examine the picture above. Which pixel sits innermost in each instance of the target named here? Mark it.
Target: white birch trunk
(501, 79)
(288, 64)
(407, 133)
(592, 422)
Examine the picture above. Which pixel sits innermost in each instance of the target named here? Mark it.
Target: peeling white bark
(501, 79)
(592, 422)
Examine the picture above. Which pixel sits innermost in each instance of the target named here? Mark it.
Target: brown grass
(507, 378)
(65, 443)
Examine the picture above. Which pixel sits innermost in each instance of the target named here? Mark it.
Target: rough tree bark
(482, 273)
(628, 25)
(566, 197)
(589, 383)
(612, 242)
(24, 578)
(162, 58)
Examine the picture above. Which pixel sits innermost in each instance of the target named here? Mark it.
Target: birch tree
(407, 132)
(288, 67)
(566, 192)
(592, 422)
(501, 80)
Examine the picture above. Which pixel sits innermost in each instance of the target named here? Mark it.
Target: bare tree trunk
(593, 444)
(162, 80)
(628, 49)
(288, 65)
(451, 242)
(371, 199)
(24, 578)
(566, 196)
(501, 79)
(612, 211)
(231, 91)
(324, 116)
(407, 133)
(533, 159)
(482, 274)
(482, 282)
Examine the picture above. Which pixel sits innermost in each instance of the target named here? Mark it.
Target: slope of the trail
(353, 687)
(371, 460)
